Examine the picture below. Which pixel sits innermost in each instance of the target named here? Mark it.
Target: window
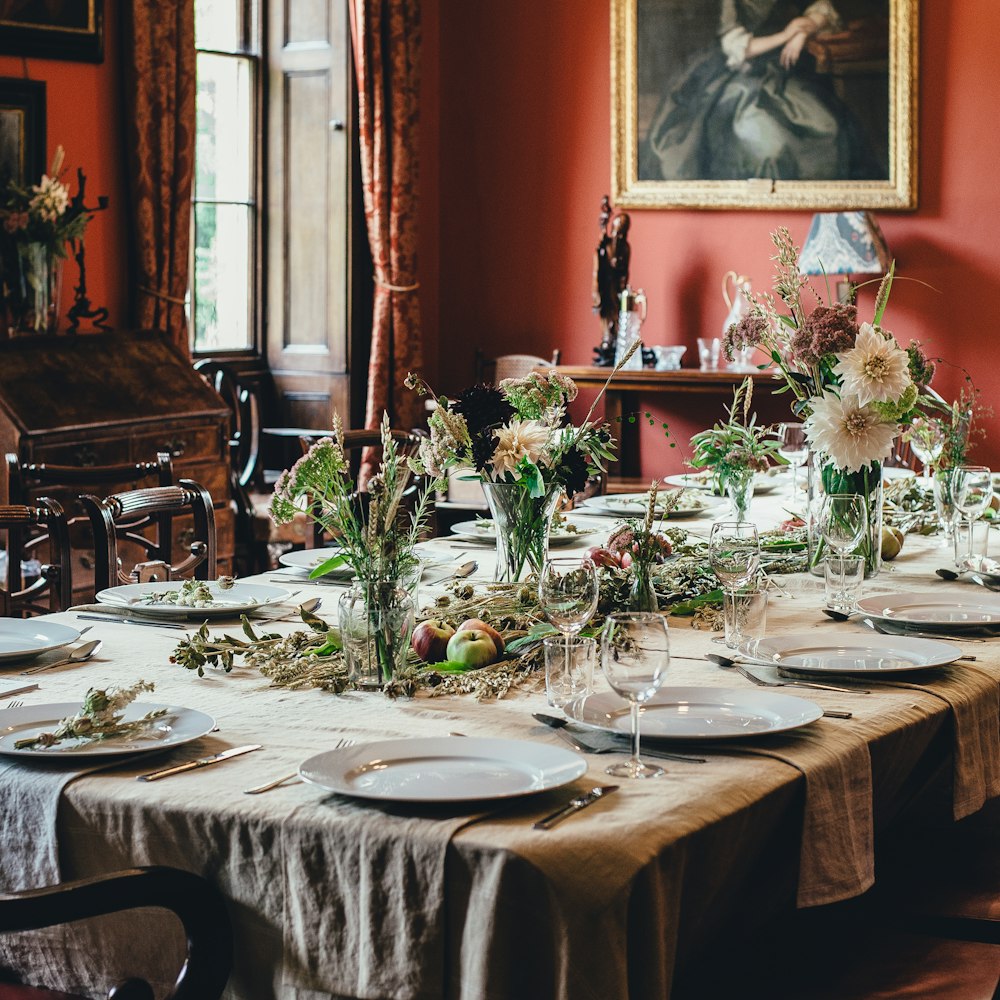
(223, 302)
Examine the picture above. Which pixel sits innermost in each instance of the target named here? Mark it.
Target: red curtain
(159, 60)
(386, 35)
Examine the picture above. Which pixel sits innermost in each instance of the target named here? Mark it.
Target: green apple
(430, 640)
(481, 626)
(472, 647)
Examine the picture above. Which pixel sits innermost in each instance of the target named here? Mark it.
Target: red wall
(524, 158)
(84, 116)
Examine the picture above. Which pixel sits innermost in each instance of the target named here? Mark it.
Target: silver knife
(21, 690)
(574, 806)
(201, 762)
(125, 620)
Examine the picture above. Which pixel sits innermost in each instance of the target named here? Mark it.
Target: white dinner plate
(692, 713)
(763, 482)
(880, 654)
(307, 560)
(634, 505)
(24, 638)
(942, 611)
(239, 599)
(890, 472)
(443, 769)
(178, 725)
(482, 532)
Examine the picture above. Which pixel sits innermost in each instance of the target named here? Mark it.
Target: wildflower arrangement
(640, 546)
(376, 534)
(36, 223)
(737, 448)
(854, 385)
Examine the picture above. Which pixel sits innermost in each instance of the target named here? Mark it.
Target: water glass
(969, 551)
(745, 613)
(635, 654)
(844, 577)
(569, 668)
(708, 352)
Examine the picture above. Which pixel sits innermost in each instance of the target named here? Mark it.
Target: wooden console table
(621, 399)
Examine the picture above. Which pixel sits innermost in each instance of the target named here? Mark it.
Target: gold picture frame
(663, 118)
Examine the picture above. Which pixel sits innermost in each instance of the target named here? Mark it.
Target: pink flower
(748, 332)
(13, 221)
(828, 330)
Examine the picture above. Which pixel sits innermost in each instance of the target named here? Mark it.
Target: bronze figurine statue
(611, 266)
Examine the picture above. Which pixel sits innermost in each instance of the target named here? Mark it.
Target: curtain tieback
(379, 280)
(161, 295)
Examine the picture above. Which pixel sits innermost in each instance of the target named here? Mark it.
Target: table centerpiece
(854, 387)
(736, 449)
(516, 438)
(376, 536)
(37, 224)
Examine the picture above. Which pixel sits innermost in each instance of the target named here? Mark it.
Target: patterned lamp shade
(844, 243)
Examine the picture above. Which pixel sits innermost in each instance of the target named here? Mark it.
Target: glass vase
(376, 623)
(41, 285)
(641, 595)
(823, 478)
(739, 489)
(521, 523)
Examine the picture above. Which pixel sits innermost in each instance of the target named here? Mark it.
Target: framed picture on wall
(22, 131)
(764, 104)
(53, 29)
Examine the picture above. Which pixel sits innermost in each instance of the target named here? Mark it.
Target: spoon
(84, 652)
(466, 569)
(950, 574)
(728, 662)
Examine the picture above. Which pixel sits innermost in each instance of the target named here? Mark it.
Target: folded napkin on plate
(837, 855)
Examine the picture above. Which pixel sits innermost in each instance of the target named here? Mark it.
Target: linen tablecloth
(336, 898)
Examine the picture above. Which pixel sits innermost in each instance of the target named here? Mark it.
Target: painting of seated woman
(752, 102)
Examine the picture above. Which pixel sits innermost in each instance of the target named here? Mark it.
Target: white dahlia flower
(517, 440)
(852, 435)
(876, 369)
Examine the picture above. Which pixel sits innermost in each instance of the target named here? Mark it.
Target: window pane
(217, 25)
(222, 255)
(224, 157)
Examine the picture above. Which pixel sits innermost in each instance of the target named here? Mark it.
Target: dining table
(334, 895)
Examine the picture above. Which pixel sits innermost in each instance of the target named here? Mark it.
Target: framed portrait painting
(22, 131)
(764, 104)
(53, 29)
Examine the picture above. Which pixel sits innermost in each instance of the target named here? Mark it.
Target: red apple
(430, 640)
(480, 625)
(472, 647)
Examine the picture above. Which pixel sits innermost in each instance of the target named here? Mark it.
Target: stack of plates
(692, 504)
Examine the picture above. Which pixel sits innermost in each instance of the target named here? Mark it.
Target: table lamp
(844, 244)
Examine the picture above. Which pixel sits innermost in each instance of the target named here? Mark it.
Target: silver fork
(574, 741)
(286, 778)
(16, 703)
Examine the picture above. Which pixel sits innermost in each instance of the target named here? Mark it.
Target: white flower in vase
(518, 440)
(851, 434)
(876, 369)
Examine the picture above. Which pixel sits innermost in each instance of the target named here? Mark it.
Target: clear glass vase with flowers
(36, 223)
(516, 437)
(376, 534)
(854, 386)
(639, 547)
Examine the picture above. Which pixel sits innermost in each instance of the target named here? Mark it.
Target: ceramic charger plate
(25, 638)
(814, 653)
(976, 611)
(443, 769)
(176, 726)
(691, 713)
(241, 598)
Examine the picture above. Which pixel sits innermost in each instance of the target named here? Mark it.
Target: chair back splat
(18, 597)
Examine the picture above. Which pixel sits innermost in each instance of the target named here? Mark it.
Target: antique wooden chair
(196, 903)
(19, 598)
(119, 517)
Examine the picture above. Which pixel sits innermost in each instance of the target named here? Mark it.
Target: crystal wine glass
(927, 441)
(842, 523)
(568, 590)
(635, 654)
(793, 447)
(734, 555)
(972, 490)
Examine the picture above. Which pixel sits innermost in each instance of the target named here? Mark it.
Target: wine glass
(635, 654)
(793, 447)
(927, 441)
(972, 490)
(568, 590)
(734, 555)
(842, 523)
